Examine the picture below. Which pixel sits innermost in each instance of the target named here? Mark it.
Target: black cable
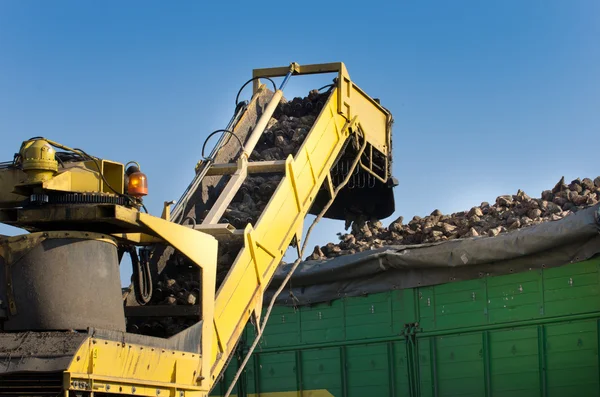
(216, 132)
(142, 278)
(237, 97)
(60, 161)
(325, 86)
(191, 219)
(69, 156)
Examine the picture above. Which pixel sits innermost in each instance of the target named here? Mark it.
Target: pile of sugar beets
(508, 212)
(283, 136)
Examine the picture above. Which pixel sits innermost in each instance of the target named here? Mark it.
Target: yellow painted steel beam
(9, 178)
(240, 295)
(137, 238)
(201, 249)
(318, 68)
(117, 367)
(352, 101)
(78, 177)
(254, 167)
(106, 366)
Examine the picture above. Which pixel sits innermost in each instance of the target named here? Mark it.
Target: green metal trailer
(529, 333)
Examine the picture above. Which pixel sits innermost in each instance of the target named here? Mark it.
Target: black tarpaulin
(572, 239)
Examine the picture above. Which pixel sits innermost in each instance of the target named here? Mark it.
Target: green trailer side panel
(427, 367)
(399, 368)
(368, 370)
(530, 334)
(277, 371)
(572, 359)
(572, 289)
(322, 370)
(461, 304)
(460, 368)
(369, 317)
(283, 328)
(515, 297)
(514, 362)
(324, 323)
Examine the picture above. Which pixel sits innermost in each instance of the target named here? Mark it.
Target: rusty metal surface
(38, 351)
(62, 284)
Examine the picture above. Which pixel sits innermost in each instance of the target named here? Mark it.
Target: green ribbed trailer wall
(529, 334)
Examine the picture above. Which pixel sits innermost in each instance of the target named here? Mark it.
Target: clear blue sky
(488, 96)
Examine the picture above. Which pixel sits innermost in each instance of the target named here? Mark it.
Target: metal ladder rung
(254, 167)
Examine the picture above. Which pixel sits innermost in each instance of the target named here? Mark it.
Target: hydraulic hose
(142, 278)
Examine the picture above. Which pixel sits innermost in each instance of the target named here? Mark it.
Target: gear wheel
(86, 198)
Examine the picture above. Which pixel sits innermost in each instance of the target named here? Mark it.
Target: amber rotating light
(137, 184)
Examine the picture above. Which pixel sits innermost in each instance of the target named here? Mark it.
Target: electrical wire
(325, 86)
(177, 212)
(216, 132)
(237, 97)
(293, 269)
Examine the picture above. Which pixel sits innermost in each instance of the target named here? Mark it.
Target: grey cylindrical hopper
(61, 281)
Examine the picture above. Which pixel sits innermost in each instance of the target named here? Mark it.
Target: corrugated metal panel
(529, 334)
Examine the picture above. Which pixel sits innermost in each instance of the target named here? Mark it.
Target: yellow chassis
(103, 365)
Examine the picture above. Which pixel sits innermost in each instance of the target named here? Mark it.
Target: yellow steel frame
(79, 177)
(351, 100)
(240, 295)
(123, 368)
(118, 367)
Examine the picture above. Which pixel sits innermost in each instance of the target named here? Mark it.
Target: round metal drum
(61, 281)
